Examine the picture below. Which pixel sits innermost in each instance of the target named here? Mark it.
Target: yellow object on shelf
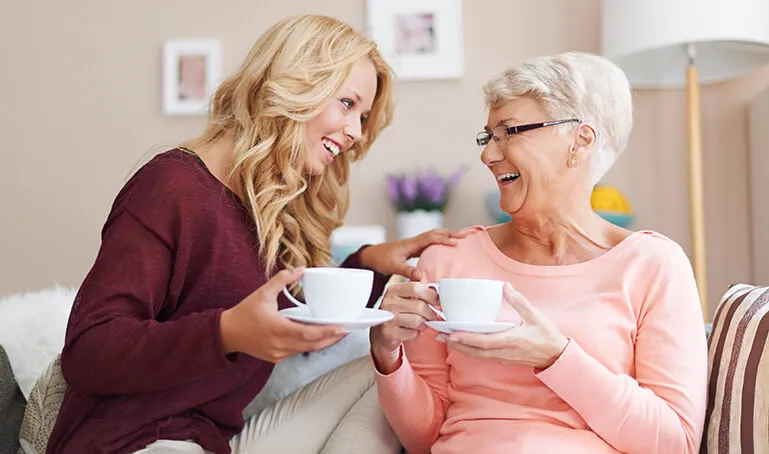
(609, 199)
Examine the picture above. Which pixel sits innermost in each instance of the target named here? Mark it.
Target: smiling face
(340, 124)
(533, 168)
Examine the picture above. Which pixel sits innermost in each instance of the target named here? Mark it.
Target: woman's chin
(315, 169)
(509, 207)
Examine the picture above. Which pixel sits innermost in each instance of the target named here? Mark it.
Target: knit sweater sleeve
(117, 341)
(662, 407)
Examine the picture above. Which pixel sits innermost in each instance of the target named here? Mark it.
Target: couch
(32, 326)
(737, 419)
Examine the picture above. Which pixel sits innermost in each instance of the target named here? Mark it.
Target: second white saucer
(471, 327)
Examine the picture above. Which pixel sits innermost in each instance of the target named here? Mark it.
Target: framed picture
(420, 39)
(191, 73)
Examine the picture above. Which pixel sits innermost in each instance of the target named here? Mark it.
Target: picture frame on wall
(191, 73)
(420, 39)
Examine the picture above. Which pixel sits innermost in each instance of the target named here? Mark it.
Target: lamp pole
(697, 205)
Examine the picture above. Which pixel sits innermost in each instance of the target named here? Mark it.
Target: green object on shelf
(500, 217)
(492, 207)
(622, 220)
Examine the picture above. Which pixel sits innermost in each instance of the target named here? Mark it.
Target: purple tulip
(431, 179)
(436, 195)
(426, 190)
(409, 189)
(432, 188)
(393, 183)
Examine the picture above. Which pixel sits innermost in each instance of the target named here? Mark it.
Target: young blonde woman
(176, 327)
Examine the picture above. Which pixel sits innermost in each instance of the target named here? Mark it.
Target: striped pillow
(737, 417)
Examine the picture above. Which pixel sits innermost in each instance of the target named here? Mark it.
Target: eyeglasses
(503, 132)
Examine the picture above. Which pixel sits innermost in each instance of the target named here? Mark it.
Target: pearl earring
(572, 157)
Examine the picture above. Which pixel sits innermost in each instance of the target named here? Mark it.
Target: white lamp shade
(648, 39)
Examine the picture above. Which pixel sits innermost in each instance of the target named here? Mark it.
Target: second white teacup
(470, 300)
(335, 293)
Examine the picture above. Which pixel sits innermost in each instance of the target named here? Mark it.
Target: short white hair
(574, 85)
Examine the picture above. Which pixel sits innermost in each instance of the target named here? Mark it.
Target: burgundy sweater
(143, 355)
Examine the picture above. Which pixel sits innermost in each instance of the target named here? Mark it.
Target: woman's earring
(572, 157)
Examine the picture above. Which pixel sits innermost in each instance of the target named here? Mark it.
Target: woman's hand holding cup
(537, 342)
(409, 304)
(255, 327)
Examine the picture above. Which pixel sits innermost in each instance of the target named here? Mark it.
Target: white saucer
(470, 327)
(369, 317)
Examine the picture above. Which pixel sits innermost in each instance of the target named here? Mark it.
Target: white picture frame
(191, 73)
(420, 39)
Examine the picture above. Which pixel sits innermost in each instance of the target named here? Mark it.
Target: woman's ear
(586, 136)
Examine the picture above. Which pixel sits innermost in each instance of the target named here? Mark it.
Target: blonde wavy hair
(291, 73)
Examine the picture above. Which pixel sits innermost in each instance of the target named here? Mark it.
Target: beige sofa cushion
(363, 429)
(42, 408)
(737, 417)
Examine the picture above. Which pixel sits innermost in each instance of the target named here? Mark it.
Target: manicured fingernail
(453, 338)
(440, 338)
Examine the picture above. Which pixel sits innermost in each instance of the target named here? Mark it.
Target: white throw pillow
(299, 370)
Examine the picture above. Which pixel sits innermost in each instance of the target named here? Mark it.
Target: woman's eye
(348, 103)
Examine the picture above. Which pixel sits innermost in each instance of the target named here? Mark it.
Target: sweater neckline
(521, 268)
(187, 152)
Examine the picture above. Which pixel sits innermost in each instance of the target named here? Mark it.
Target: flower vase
(412, 223)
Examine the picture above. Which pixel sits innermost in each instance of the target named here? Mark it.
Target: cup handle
(292, 299)
(438, 312)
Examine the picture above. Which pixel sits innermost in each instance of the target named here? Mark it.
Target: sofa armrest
(736, 419)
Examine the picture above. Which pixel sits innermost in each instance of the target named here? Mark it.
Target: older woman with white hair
(608, 353)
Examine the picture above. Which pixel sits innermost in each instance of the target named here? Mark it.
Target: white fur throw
(32, 327)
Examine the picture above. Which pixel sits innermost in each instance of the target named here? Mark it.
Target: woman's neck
(550, 238)
(217, 155)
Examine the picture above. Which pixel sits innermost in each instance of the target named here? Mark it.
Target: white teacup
(335, 293)
(470, 300)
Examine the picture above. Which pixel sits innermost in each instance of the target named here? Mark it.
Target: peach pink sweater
(632, 378)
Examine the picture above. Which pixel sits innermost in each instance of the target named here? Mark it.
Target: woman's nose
(354, 130)
(491, 153)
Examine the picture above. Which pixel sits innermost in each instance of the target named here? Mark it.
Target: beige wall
(758, 162)
(80, 107)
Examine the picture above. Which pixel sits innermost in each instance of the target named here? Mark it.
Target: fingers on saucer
(416, 290)
(410, 321)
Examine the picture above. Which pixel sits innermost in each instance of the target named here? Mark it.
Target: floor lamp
(683, 43)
